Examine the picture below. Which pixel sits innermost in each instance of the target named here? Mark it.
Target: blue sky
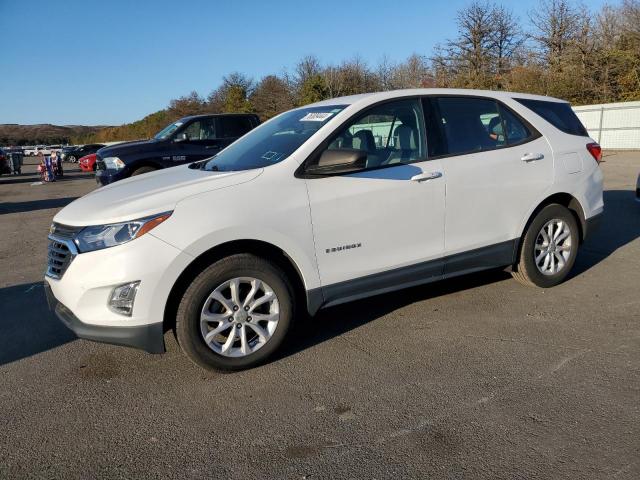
(98, 62)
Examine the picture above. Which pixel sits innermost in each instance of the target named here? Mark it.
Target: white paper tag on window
(316, 116)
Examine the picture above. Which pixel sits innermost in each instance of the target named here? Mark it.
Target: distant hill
(14, 134)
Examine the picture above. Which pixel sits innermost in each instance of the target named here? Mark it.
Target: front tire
(548, 248)
(235, 314)
(71, 159)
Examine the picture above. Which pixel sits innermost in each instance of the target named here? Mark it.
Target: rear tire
(222, 330)
(141, 170)
(548, 248)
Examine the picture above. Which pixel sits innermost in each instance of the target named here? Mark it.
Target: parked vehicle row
(73, 153)
(321, 205)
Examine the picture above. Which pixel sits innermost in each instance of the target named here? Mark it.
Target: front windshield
(167, 131)
(274, 141)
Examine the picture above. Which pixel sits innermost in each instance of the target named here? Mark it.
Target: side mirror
(333, 162)
(181, 137)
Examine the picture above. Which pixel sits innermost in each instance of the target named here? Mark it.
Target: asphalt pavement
(474, 377)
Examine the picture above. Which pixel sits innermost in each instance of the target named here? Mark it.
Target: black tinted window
(235, 126)
(557, 114)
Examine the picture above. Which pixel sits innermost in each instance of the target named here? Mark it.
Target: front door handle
(212, 147)
(531, 157)
(423, 177)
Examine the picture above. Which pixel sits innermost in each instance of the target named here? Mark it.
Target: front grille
(58, 258)
(61, 249)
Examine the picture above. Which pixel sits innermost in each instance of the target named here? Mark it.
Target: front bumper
(83, 285)
(105, 177)
(149, 338)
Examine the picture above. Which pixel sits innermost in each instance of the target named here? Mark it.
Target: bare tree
(506, 39)
(556, 24)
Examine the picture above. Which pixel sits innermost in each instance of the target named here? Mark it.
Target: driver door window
(201, 131)
(392, 133)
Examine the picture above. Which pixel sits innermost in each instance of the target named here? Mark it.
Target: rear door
(496, 165)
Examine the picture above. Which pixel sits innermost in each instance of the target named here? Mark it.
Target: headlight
(113, 163)
(104, 236)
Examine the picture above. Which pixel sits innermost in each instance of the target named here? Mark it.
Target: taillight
(596, 151)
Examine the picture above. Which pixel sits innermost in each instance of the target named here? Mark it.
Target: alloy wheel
(239, 317)
(553, 247)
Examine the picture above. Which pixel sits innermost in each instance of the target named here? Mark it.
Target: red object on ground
(88, 163)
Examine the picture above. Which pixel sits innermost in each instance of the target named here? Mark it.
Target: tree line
(561, 49)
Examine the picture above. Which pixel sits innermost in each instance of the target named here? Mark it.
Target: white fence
(614, 126)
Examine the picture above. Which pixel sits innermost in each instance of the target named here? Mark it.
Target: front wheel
(235, 314)
(549, 248)
(71, 159)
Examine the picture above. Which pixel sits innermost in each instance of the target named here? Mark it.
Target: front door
(198, 140)
(382, 228)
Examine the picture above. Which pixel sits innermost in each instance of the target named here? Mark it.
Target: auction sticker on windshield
(316, 116)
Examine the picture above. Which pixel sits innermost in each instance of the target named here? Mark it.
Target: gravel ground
(476, 377)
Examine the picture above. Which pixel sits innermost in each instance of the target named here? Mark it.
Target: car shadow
(619, 226)
(31, 205)
(27, 327)
(335, 321)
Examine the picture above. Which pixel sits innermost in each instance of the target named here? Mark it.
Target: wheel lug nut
(248, 319)
(246, 309)
(238, 326)
(235, 308)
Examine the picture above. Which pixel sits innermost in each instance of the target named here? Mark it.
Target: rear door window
(233, 127)
(558, 114)
(460, 125)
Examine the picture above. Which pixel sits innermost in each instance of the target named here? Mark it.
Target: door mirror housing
(333, 162)
(181, 137)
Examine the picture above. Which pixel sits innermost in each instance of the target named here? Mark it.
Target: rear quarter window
(558, 114)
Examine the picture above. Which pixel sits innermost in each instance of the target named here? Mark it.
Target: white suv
(324, 204)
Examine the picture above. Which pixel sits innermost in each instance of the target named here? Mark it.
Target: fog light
(122, 298)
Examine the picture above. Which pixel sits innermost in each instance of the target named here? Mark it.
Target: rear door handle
(423, 177)
(531, 157)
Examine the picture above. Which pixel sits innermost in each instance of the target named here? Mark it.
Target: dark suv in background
(186, 140)
(74, 152)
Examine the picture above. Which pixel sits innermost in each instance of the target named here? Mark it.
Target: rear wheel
(141, 170)
(71, 158)
(549, 248)
(235, 314)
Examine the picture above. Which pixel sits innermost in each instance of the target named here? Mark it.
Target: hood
(128, 147)
(147, 194)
